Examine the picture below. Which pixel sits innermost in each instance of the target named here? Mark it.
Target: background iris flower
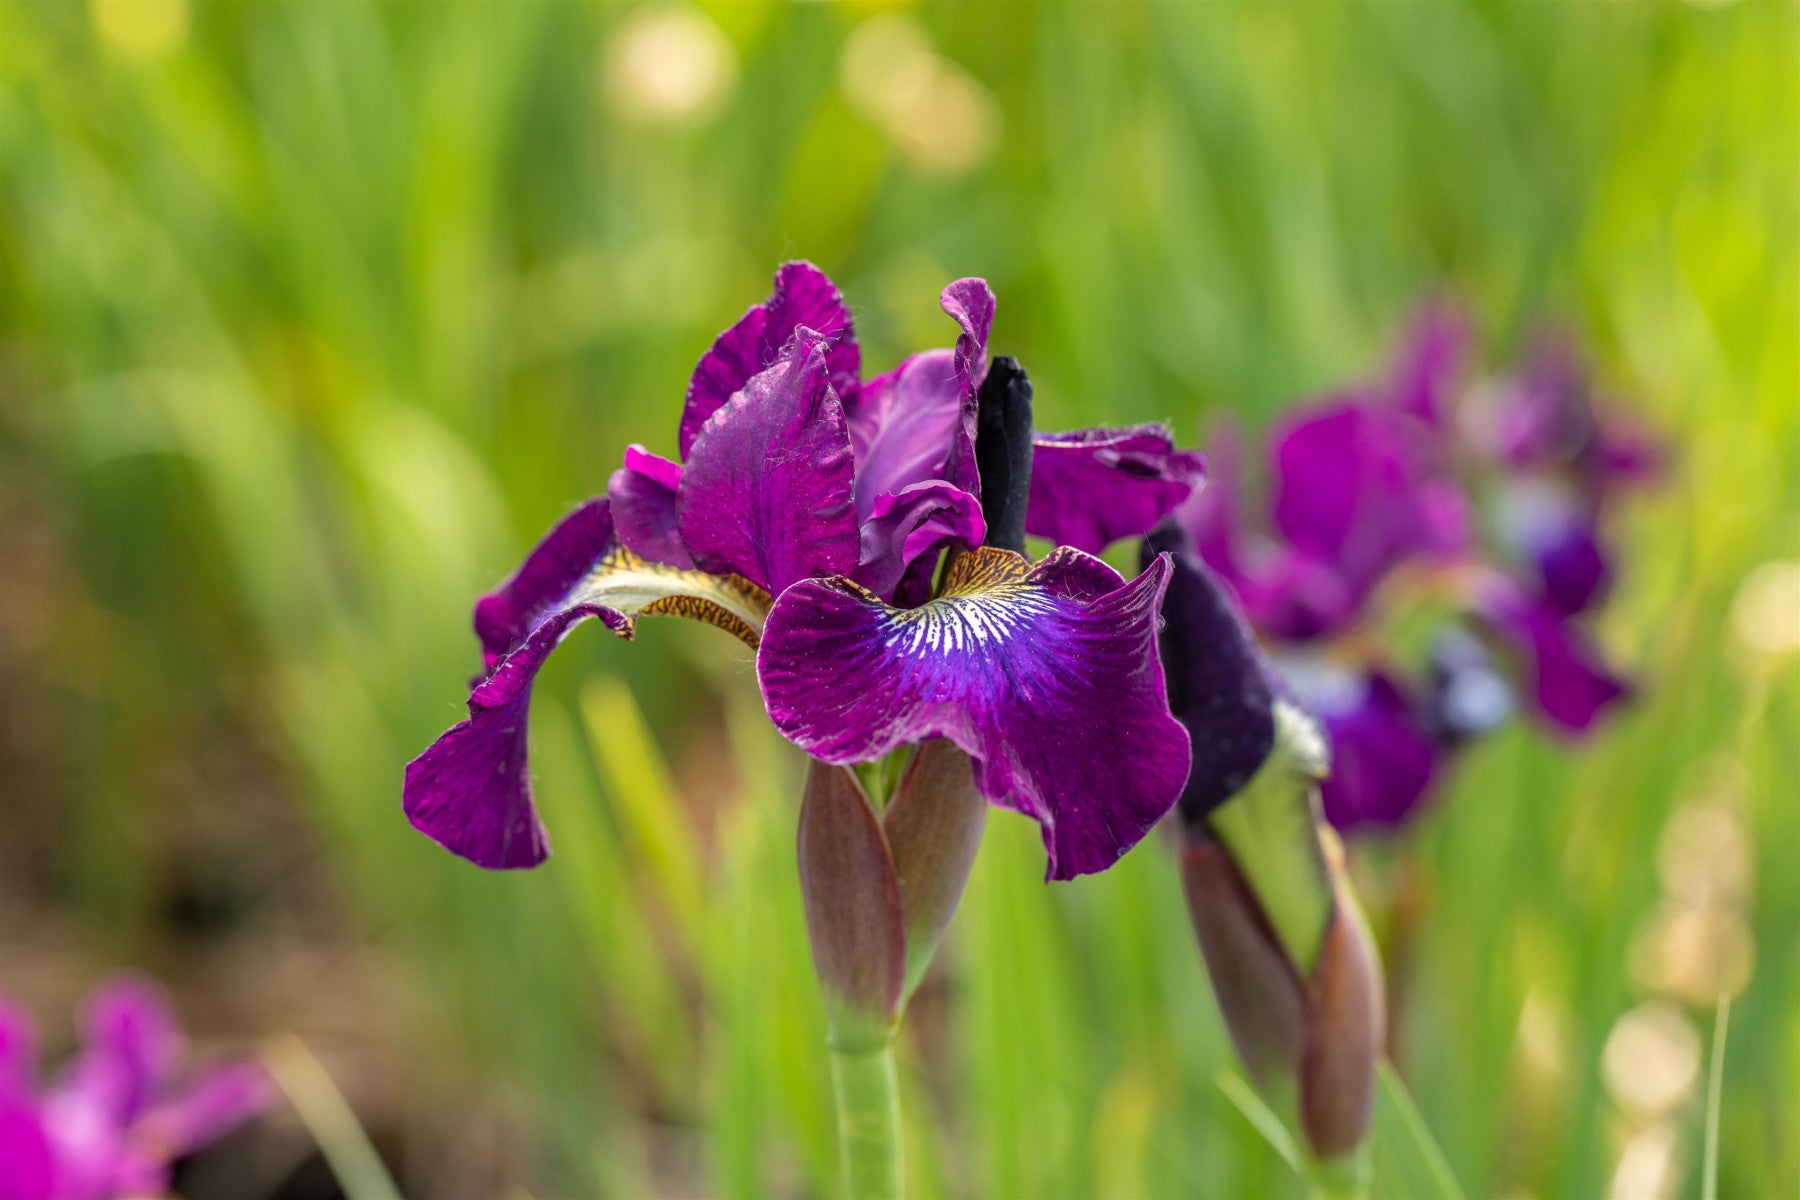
(123, 1110)
(1377, 501)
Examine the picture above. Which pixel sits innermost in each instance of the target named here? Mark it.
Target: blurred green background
(313, 316)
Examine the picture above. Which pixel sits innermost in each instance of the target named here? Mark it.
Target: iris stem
(868, 1116)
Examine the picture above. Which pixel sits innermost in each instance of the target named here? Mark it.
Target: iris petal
(470, 791)
(912, 527)
(1092, 487)
(804, 296)
(1571, 684)
(1046, 675)
(643, 507)
(767, 489)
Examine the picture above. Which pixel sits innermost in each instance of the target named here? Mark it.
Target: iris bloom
(1365, 492)
(122, 1112)
(807, 515)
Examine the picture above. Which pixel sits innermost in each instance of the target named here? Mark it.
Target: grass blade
(1407, 1144)
(1715, 1083)
(329, 1118)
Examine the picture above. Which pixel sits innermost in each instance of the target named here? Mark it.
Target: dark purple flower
(831, 499)
(124, 1110)
(1545, 421)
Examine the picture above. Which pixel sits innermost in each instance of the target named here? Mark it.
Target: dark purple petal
(1544, 417)
(1554, 531)
(470, 791)
(1047, 676)
(803, 298)
(1092, 487)
(1383, 760)
(970, 303)
(208, 1108)
(1570, 682)
(1217, 685)
(767, 490)
(1431, 363)
(912, 526)
(642, 493)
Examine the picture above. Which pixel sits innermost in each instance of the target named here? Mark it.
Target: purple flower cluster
(1375, 497)
(122, 1112)
(807, 514)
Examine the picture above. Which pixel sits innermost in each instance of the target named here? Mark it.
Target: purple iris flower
(1365, 483)
(123, 1111)
(807, 515)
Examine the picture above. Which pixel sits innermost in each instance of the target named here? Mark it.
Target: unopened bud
(934, 825)
(1343, 1033)
(1258, 988)
(852, 901)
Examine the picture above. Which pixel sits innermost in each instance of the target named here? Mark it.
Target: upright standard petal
(767, 490)
(470, 791)
(1218, 686)
(131, 1047)
(643, 507)
(1092, 487)
(804, 297)
(970, 303)
(1046, 675)
(1430, 364)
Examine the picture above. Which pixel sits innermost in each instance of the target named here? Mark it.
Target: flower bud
(852, 900)
(934, 825)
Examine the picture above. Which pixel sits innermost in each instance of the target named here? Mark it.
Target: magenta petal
(131, 1047)
(1048, 676)
(1570, 683)
(912, 526)
(803, 297)
(1092, 487)
(642, 493)
(27, 1167)
(208, 1108)
(767, 490)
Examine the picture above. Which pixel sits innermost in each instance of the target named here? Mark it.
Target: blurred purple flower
(807, 516)
(1365, 483)
(124, 1110)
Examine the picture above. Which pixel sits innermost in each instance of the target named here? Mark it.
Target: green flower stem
(868, 1116)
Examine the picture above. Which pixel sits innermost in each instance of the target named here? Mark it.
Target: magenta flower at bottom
(123, 1112)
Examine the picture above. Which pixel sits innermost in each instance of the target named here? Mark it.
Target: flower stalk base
(867, 1090)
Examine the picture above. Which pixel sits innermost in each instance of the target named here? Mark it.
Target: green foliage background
(313, 319)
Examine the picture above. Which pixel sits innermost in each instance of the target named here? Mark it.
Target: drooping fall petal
(1046, 675)
(470, 791)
